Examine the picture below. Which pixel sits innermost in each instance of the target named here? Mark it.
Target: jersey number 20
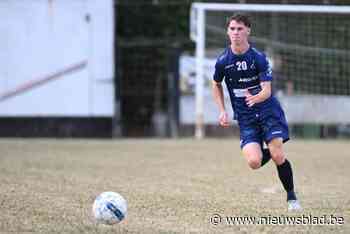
(241, 65)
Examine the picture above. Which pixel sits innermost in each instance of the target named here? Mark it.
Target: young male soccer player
(248, 76)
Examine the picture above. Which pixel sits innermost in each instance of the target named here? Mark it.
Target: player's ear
(248, 31)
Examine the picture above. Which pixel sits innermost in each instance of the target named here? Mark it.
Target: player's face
(238, 32)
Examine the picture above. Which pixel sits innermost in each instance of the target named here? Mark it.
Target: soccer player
(248, 77)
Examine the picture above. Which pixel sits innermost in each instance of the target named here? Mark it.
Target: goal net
(308, 48)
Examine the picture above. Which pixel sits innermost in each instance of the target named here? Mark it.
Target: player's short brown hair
(240, 17)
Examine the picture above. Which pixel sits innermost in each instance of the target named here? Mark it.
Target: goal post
(308, 47)
(198, 35)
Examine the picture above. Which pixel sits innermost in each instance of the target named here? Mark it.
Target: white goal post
(334, 96)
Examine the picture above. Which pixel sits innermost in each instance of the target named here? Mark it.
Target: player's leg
(252, 153)
(284, 170)
(266, 156)
(283, 166)
(252, 146)
(275, 134)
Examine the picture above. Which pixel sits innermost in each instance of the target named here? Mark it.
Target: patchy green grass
(172, 186)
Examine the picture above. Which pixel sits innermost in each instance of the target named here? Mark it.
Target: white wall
(299, 109)
(41, 37)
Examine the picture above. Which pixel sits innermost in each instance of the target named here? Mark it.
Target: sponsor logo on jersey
(247, 79)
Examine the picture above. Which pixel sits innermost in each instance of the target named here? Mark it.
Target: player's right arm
(218, 94)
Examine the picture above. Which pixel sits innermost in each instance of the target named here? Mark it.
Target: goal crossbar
(326, 9)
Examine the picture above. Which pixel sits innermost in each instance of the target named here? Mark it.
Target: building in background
(57, 68)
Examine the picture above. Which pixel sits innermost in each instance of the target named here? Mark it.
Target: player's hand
(250, 99)
(223, 120)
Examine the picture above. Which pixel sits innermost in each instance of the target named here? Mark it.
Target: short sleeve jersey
(242, 72)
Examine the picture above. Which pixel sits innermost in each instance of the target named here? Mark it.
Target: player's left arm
(265, 77)
(264, 94)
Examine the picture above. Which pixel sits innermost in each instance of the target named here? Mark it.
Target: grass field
(172, 186)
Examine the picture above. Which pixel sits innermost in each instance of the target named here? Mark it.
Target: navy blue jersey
(244, 72)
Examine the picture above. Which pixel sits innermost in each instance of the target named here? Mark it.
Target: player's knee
(254, 162)
(277, 156)
(276, 151)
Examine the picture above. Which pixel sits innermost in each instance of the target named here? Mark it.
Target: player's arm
(265, 77)
(264, 94)
(218, 94)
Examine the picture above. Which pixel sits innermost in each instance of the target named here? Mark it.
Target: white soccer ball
(109, 208)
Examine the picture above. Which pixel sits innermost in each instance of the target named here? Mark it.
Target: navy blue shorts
(263, 126)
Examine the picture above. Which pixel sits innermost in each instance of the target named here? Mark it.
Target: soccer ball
(109, 208)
